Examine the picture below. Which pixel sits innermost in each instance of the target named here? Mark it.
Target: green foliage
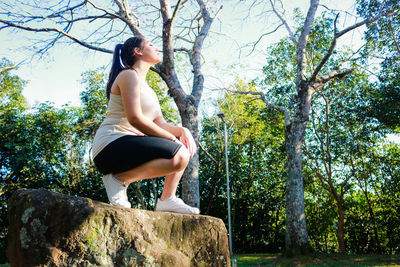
(382, 37)
(386, 94)
(383, 42)
(94, 104)
(10, 89)
(36, 148)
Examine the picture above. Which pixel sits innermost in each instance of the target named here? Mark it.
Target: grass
(258, 260)
(317, 260)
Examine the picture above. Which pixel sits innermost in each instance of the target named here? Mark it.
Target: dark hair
(127, 57)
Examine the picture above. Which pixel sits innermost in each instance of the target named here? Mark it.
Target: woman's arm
(185, 136)
(129, 86)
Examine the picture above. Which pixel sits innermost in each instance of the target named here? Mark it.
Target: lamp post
(221, 116)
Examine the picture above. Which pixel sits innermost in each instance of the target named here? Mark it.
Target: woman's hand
(187, 139)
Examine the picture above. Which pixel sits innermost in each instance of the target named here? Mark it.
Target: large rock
(52, 229)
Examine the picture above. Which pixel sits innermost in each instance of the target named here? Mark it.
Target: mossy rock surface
(52, 229)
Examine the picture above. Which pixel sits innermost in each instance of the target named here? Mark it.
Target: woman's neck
(141, 68)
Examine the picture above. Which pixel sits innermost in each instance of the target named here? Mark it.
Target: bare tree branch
(322, 80)
(327, 55)
(182, 49)
(395, 40)
(167, 68)
(207, 153)
(265, 34)
(184, 39)
(175, 11)
(341, 33)
(198, 79)
(5, 68)
(125, 15)
(264, 99)
(301, 46)
(60, 32)
(284, 22)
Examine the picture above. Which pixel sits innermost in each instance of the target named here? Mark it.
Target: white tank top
(116, 124)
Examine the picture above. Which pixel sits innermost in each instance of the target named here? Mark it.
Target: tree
(113, 22)
(256, 152)
(341, 134)
(311, 76)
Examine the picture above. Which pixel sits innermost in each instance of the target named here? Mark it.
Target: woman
(134, 142)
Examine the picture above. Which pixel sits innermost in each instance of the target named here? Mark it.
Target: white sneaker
(116, 191)
(175, 204)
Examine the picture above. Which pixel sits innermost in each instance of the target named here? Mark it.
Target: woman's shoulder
(128, 78)
(128, 74)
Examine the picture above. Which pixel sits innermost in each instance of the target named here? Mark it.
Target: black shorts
(130, 151)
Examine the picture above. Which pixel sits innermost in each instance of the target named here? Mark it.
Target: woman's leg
(172, 168)
(170, 184)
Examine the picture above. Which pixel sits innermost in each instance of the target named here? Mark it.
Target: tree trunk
(296, 237)
(371, 213)
(297, 242)
(342, 248)
(190, 178)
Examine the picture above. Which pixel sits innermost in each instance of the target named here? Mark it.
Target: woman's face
(148, 52)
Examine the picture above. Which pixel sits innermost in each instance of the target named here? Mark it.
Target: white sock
(115, 179)
(170, 198)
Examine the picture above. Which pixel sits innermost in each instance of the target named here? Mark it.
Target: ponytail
(116, 68)
(123, 58)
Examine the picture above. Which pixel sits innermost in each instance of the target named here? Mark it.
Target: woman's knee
(181, 159)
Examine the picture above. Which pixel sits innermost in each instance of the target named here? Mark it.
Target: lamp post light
(221, 116)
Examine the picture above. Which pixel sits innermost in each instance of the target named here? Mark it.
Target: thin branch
(58, 14)
(366, 21)
(333, 74)
(125, 12)
(182, 49)
(341, 33)
(364, 68)
(184, 39)
(327, 55)
(391, 31)
(284, 23)
(208, 154)
(175, 11)
(338, 10)
(328, 150)
(319, 139)
(323, 180)
(265, 34)
(263, 98)
(60, 32)
(322, 80)
(7, 68)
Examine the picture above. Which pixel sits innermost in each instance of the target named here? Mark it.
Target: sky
(56, 77)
